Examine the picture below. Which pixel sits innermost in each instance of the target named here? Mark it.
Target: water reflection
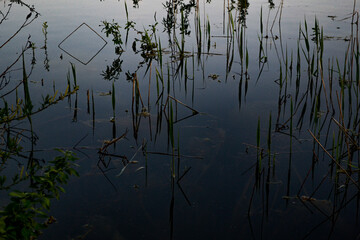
(30, 17)
(72, 40)
(264, 116)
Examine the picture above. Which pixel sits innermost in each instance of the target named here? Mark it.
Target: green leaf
(46, 203)
(17, 194)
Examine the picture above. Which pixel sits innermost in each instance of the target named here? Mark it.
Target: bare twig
(334, 160)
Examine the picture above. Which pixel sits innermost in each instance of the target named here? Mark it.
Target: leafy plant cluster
(21, 218)
(148, 48)
(172, 8)
(113, 29)
(145, 45)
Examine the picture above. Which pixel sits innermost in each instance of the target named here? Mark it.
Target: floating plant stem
(75, 108)
(168, 80)
(193, 77)
(160, 58)
(88, 101)
(258, 145)
(113, 100)
(247, 60)
(186, 75)
(208, 31)
(126, 11)
(46, 60)
(149, 88)
(93, 110)
(178, 101)
(178, 156)
(291, 122)
(261, 23)
(73, 70)
(332, 158)
(198, 35)
(269, 139)
(171, 136)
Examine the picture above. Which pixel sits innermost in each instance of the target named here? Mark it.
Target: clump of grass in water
(198, 35)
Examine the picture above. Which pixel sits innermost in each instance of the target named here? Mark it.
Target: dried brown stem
(334, 160)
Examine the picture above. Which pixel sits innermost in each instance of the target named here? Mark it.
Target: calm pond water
(211, 120)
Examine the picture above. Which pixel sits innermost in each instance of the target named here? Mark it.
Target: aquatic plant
(311, 113)
(113, 29)
(33, 184)
(27, 212)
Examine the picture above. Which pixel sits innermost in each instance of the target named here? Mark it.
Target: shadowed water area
(188, 119)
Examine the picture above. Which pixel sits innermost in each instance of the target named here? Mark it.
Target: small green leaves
(44, 28)
(21, 218)
(17, 194)
(113, 29)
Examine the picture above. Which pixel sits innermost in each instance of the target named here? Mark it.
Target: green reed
(269, 139)
(198, 33)
(171, 136)
(208, 33)
(113, 102)
(259, 154)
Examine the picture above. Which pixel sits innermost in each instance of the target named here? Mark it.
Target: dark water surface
(212, 181)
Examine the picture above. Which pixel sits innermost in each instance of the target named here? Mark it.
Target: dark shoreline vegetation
(315, 113)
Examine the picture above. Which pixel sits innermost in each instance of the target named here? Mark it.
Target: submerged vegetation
(298, 147)
(307, 90)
